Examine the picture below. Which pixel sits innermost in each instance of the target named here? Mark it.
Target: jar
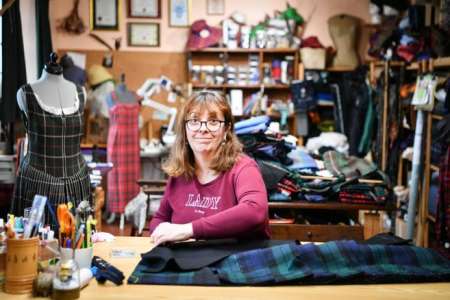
(66, 282)
(195, 75)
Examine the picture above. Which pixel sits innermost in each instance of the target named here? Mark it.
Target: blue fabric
(301, 160)
(252, 129)
(251, 122)
(279, 197)
(315, 198)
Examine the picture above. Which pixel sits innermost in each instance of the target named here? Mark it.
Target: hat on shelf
(202, 35)
(98, 74)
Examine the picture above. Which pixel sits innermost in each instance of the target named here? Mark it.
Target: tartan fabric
(350, 167)
(442, 225)
(332, 262)
(360, 198)
(123, 152)
(53, 166)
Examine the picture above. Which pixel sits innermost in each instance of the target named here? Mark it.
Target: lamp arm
(172, 111)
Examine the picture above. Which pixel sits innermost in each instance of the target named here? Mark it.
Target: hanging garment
(53, 166)
(336, 262)
(123, 152)
(13, 64)
(443, 207)
(43, 33)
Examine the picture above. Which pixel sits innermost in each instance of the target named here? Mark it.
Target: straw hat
(97, 74)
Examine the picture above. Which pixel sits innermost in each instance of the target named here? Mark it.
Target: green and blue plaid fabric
(332, 262)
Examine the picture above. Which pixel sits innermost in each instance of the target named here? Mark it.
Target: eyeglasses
(211, 125)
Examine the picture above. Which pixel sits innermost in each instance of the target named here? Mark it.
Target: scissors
(66, 224)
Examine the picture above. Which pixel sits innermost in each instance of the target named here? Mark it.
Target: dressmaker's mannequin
(53, 92)
(54, 167)
(121, 94)
(343, 30)
(123, 150)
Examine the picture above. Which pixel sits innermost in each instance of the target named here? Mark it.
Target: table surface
(433, 291)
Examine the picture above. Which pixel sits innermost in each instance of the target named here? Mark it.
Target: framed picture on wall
(215, 7)
(143, 34)
(144, 8)
(179, 13)
(104, 14)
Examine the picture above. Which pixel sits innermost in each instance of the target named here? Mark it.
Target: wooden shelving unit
(321, 232)
(240, 86)
(246, 50)
(240, 57)
(327, 206)
(424, 220)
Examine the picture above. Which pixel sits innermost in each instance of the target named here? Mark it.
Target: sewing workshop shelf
(322, 232)
(236, 58)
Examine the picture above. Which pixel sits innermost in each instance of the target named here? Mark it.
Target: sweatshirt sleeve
(164, 213)
(250, 213)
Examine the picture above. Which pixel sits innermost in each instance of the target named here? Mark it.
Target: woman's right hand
(168, 232)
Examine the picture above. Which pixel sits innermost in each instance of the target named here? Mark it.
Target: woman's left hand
(168, 232)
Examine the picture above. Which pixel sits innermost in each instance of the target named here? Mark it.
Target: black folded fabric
(187, 256)
(386, 238)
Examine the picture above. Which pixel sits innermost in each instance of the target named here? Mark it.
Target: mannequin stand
(112, 218)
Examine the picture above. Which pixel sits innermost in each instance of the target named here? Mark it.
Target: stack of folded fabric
(267, 147)
(363, 194)
(252, 125)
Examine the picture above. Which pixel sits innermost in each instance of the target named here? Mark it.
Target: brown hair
(181, 160)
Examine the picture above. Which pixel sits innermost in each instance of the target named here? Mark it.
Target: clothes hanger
(52, 67)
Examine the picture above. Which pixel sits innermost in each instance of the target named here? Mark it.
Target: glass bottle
(66, 282)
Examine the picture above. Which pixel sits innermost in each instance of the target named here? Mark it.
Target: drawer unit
(316, 233)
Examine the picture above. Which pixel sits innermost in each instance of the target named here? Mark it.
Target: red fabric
(359, 198)
(311, 42)
(234, 205)
(123, 152)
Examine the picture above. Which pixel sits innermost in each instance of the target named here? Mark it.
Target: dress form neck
(55, 94)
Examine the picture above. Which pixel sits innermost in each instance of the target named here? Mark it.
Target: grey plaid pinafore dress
(53, 166)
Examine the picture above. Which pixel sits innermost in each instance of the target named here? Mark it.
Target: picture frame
(104, 14)
(144, 9)
(143, 34)
(215, 7)
(179, 13)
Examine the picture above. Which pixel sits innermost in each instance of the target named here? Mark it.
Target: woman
(214, 190)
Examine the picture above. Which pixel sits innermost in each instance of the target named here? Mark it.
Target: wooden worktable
(433, 291)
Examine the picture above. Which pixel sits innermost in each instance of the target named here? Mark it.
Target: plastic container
(82, 256)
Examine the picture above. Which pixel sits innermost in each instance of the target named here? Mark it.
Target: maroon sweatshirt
(234, 205)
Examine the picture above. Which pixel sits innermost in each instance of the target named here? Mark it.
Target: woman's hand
(168, 232)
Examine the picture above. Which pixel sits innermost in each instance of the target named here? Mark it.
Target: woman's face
(205, 130)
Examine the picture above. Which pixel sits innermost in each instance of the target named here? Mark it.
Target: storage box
(313, 58)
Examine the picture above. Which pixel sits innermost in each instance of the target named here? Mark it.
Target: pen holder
(82, 256)
(21, 265)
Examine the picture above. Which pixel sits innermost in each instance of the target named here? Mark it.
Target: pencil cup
(21, 265)
(83, 256)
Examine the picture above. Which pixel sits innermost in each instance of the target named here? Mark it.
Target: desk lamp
(147, 90)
